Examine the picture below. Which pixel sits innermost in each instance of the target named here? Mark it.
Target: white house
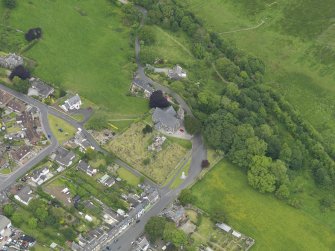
(39, 176)
(72, 103)
(24, 195)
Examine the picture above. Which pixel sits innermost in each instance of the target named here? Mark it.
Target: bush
(186, 197)
(205, 163)
(157, 99)
(21, 72)
(147, 129)
(34, 33)
(10, 4)
(192, 125)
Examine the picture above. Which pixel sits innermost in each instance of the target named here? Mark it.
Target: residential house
(177, 214)
(152, 197)
(72, 103)
(139, 84)
(142, 244)
(5, 224)
(30, 125)
(20, 153)
(5, 97)
(24, 195)
(177, 73)
(82, 141)
(166, 119)
(39, 176)
(64, 157)
(11, 61)
(107, 180)
(16, 105)
(83, 166)
(41, 88)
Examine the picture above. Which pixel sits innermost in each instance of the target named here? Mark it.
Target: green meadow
(296, 42)
(85, 48)
(272, 223)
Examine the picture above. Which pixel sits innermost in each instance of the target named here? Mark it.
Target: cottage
(4, 224)
(83, 166)
(24, 195)
(11, 61)
(72, 103)
(64, 157)
(43, 90)
(20, 153)
(166, 119)
(139, 84)
(177, 73)
(107, 180)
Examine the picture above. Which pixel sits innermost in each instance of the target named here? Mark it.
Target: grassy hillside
(294, 38)
(273, 224)
(85, 48)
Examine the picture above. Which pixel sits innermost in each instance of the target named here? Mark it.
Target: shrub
(10, 4)
(205, 163)
(157, 99)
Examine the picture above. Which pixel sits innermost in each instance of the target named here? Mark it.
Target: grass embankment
(273, 224)
(61, 129)
(94, 61)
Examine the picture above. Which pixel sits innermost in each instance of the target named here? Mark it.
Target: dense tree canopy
(157, 99)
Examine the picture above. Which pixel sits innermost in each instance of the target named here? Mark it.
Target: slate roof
(73, 100)
(16, 105)
(43, 89)
(166, 118)
(64, 157)
(143, 84)
(25, 194)
(20, 153)
(4, 221)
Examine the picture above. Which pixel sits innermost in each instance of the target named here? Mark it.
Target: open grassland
(85, 48)
(61, 129)
(132, 146)
(273, 224)
(295, 42)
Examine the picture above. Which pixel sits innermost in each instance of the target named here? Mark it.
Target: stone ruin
(11, 61)
(157, 144)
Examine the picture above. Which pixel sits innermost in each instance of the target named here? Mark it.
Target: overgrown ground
(132, 145)
(296, 42)
(85, 48)
(273, 224)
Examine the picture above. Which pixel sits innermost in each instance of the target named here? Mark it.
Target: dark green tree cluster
(160, 228)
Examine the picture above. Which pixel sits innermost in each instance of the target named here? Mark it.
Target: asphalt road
(167, 195)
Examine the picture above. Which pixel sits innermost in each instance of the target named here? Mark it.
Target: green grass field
(128, 176)
(273, 224)
(57, 124)
(294, 42)
(85, 48)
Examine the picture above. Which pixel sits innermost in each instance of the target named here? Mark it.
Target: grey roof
(4, 221)
(166, 118)
(73, 100)
(43, 89)
(25, 194)
(11, 61)
(83, 166)
(143, 84)
(64, 156)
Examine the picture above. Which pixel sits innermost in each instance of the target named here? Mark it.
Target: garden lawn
(273, 224)
(57, 124)
(85, 48)
(126, 175)
(132, 147)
